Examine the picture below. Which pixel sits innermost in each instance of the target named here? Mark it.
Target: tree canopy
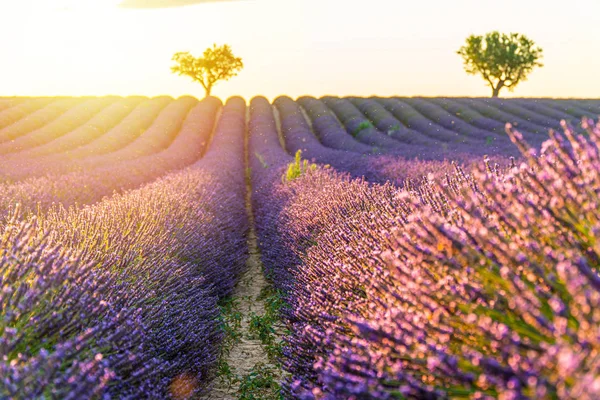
(218, 63)
(502, 60)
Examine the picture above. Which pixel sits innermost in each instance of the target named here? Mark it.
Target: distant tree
(216, 64)
(503, 60)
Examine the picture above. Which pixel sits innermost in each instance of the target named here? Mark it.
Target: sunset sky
(317, 47)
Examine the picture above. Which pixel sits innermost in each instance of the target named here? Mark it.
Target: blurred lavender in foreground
(483, 286)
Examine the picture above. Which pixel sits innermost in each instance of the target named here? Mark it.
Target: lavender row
(479, 140)
(516, 109)
(461, 115)
(267, 161)
(414, 120)
(549, 114)
(447, 120)
(22, 124)
(101, 123)
(19, 166)
(406, 162)
(75, 117)
(483, 287)
(298, 136)
(487, 108)
(328, 129)
(591, 106)
(153, 139)
(448, 143)
(416, 146)
(15, 112)
(468, 115)
(125, 304)
(537, 110)
(127, 131)
(8, 102)
(387, 123)
(569, 107)
(85, 187)
(331, 134)
(360, 127)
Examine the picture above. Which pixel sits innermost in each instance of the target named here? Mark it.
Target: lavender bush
(120, 298)
(483, 287)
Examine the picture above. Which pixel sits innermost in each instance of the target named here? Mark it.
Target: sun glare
(62, 5)
(96, 47)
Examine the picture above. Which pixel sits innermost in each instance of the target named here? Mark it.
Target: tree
(503, 60)
(217, 64)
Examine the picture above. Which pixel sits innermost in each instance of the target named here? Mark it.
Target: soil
(246, 353)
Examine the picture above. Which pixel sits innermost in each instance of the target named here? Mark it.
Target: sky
(314, 47)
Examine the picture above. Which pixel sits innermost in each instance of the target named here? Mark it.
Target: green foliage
(297, 168)
(231, 324)
(231, 320)
(392, 129)
(361, 127)
(260, 384)
(262, 381)
(502, 60)
(260, 328)
(263, 327)
(217, 63)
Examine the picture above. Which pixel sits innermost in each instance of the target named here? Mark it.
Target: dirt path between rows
(246, 353)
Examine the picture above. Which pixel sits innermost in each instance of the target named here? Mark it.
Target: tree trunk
(496, 90)
(207, 91)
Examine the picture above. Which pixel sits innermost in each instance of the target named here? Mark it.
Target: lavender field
(410, 248)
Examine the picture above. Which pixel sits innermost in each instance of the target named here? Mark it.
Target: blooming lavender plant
(55, 322)
(132, 311)
(483, 287)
